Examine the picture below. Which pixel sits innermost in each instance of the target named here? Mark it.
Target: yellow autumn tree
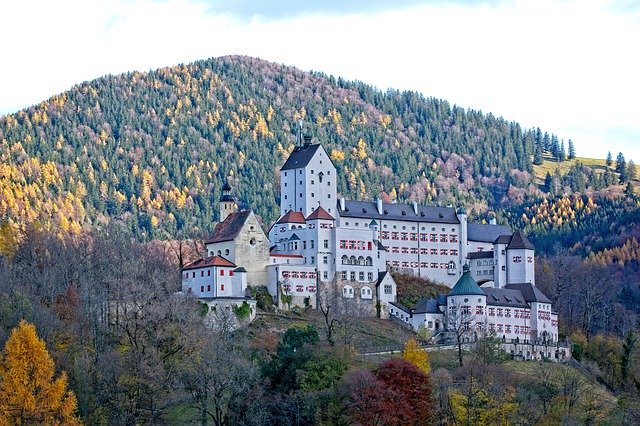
(416, 356)
(28, 392)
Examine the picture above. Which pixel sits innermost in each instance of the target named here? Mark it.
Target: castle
(325, 249)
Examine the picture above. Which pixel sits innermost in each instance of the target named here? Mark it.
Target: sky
(570, 67)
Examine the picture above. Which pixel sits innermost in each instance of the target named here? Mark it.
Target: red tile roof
(292, 217)
(320, 213)
(230, 228)
(208, 262)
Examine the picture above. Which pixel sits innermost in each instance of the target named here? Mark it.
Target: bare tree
(460, 322)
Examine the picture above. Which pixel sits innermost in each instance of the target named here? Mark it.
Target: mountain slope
(153, 149)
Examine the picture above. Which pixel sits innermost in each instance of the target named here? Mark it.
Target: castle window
(285, 173)
(209, 287)
(221, 287)
(352, 275)
(388, 289)
(325, 275)
(313, 195)
(361, 276)
(325, 243)
(209, 273)
(343, 275)
(312, 243)
(311, 171)
(226, 252)
(201, 289)
(193, 275)
(325, 260)
(221, 272)
(312, 182)
(230, 273)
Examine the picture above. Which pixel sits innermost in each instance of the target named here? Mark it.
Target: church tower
(227, 204)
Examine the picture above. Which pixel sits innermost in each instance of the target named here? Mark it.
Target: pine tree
(28, 392)
(562, 155)
(632, 173)
(572, 150)
(537, 154)
(609, 159)
(620, 163)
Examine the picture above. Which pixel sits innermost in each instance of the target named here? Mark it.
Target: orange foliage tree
(28, 391)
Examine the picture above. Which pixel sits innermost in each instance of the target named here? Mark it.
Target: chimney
(307, 140)
(342, 203)
(379, 202)
(415, 207)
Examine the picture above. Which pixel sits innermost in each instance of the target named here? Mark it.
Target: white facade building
(517, 314)
(325, 247)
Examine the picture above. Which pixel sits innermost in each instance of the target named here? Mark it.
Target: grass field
(549, 165)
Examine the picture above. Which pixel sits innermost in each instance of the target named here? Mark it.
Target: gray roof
(504, 297)
(486, 233)
(369, 210)
(520, 241)
(401, 307)
(426, 306)
(503, 239)
(530, 292)
(381, 246)
(480, 255)
(300, 156)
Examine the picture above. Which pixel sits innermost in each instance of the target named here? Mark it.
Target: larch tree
(416, 356)
(28, 391)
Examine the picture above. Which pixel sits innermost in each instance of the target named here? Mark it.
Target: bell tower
(227, 204)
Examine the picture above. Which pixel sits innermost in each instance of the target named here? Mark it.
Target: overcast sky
(570, 67)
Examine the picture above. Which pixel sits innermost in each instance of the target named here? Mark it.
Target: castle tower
(227, 204)
(520, 260)
(308, 180)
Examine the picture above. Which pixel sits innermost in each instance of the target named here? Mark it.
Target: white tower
(308, 180)
(520, 260)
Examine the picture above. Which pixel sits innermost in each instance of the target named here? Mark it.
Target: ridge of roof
(291, 217)
(208, 262)
(320, 214)
(393, 211)
(229, 229)
(520, 241)
(530, 292)
(300, 156)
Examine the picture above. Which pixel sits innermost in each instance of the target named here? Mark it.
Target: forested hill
(155, 148)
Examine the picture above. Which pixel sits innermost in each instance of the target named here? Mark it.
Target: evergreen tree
(537, 154)
(562, 155)
(548, 182)
(609, 159)
(572, 150)
(28, 392)
(632, 173)
(620, 163)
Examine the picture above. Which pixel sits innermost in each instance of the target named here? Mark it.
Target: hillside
(153, 149)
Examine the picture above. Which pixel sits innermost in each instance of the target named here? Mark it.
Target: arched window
(369, 261)
(219, 253)
(345, 259)
(226, 252)
(479, 263)
(347, 292)
(361, 261)
(352, 260)
(365, 292)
